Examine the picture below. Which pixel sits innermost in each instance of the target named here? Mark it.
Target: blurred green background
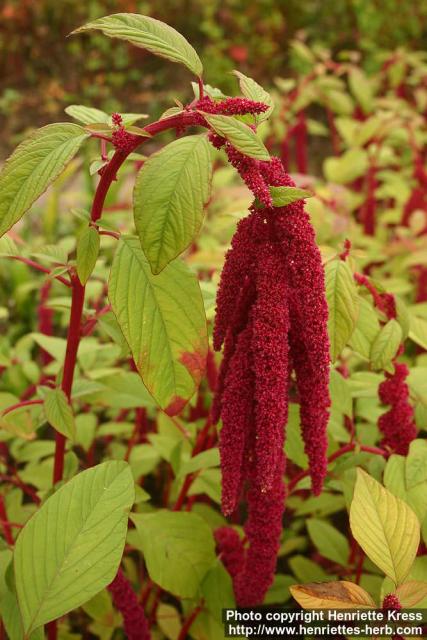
(41, 70)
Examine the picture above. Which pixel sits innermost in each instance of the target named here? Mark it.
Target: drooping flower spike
(271, 318)
(397, 424)
(135, 624)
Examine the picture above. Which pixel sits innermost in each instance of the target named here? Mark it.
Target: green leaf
(306, 570)
(242, 137)
(329, 541)
(204, 460)
(350, 165)
(385, 527)
(343, 303)
(155, 36)
(416, 464)
(8, 248)
(87, 253)
(178, 550)
(59, 413)
(33, 166)
(283, 196)
(71, 548)
(418, 330)
(361, 89)
(163, 321)
(254, 91)
(395, 481)
(89, 115)
(366, 330)
(385, 345)
(294, 445)
(170, 193)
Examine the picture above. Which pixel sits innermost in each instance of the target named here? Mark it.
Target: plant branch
(347, 448)
(20, 405)
(39, 267)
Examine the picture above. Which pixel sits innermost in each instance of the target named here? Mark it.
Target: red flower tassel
(135, 624)
(271, 312)
(397, 424)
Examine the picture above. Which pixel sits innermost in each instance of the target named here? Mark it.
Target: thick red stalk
(73, 339)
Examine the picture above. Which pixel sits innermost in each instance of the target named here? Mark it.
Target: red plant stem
(19, 483)
(91, 323)
(191, 618)
(6, 525)
(198, 447)
(73, 340)
(21, 405)
(112, 234)
(347, 448)
(39, 267)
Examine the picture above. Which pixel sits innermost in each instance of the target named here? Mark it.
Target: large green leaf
(385, 527)
(170, 193)
(33, 166)
(343, 303)
(71, 548)
(155, 36)
(162, 318)
(242, 137)
(178, 550)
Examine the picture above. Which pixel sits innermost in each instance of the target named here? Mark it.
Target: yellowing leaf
(331, 595)
(385, 527)
(151, 34)
(411, 593)
(242, 137)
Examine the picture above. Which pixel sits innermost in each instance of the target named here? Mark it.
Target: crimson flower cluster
(135, 624)
(271, 319)
(231, 106)
(121, 139)
(397, 424)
